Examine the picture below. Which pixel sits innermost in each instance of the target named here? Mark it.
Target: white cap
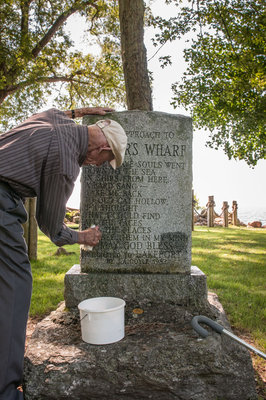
(116, 138)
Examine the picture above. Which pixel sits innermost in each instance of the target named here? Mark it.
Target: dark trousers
(15, 292)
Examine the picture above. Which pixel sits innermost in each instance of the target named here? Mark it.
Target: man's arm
(80, 112)
(51, 213)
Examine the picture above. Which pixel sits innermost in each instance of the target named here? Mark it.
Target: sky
(213, 173)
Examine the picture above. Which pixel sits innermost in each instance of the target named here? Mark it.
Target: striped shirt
(41, 158)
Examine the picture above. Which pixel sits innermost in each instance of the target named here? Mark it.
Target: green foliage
(38, 60)
(224, 86)
(196, 202)
(71, 214)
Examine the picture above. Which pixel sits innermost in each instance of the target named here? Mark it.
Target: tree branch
(227, 33)
(225, 27)
(157, 51)
(58, 23)
(42, 79)
(24, 6)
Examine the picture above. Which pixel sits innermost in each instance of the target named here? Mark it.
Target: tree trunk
(138, 90)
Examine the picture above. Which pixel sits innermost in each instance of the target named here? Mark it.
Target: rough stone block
(160, 358)
(165, 288)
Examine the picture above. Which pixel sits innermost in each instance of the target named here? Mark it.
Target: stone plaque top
(144, 207)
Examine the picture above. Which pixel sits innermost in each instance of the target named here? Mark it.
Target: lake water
(249, 215)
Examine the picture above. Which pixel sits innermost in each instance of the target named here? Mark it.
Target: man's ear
(105, 147)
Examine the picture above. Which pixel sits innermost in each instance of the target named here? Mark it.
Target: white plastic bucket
(102, 320)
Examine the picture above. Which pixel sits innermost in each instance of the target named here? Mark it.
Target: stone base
(182, 289)
(160, 358)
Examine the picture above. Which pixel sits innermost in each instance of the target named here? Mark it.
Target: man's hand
(80, 112)
(90, 237)
(94, 110)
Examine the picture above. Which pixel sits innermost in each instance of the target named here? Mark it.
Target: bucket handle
(86, 315)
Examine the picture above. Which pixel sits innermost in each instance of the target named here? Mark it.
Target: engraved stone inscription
(144, 207)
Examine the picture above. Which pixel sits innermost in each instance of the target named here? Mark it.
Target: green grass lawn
(48, 273)
(233, 259)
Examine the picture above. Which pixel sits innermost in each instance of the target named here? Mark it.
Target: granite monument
(144, 207)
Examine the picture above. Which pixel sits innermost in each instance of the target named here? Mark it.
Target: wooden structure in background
(225, 214)
(234, 213)
(210, 211)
